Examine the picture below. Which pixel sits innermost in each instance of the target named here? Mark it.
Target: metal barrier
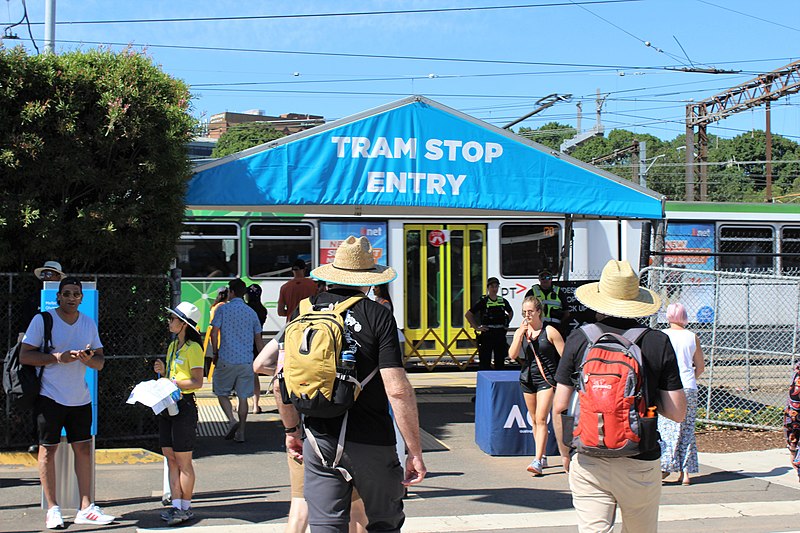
(748, 329)
(133, 332)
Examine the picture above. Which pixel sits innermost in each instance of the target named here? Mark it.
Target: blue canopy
(414, 156)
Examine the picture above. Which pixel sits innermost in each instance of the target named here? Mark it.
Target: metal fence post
(175, 285)
(712, 355)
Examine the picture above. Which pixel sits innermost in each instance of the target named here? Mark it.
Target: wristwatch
(290, 430)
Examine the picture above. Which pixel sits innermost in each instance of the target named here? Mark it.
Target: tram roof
(415, 156)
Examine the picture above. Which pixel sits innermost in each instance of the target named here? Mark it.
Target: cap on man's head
(299, 264)
(544, 273)
(492, 281)
(70, 280)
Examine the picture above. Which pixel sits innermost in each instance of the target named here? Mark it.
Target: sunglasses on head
(546, 277)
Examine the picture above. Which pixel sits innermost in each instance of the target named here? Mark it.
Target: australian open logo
(516, 419)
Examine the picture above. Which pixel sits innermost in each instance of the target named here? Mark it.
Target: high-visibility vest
(495, 314)
(550, 302)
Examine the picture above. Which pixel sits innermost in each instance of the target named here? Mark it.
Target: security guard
(495, 314)
(554, 305)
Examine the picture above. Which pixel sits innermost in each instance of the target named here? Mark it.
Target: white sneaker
(93, 515)
(54, 519)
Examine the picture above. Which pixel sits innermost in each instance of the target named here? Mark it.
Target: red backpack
(611, 395)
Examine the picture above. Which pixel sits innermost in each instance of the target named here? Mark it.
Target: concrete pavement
(244, 487)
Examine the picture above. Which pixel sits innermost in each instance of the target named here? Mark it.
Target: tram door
(444, 274)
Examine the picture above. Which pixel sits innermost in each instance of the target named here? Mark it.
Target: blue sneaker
(535, 467)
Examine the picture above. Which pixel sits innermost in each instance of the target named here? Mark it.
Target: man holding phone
(64, 400)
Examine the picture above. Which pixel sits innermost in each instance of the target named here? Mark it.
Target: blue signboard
(694, 290)
(416, 153)
(90, 307)
(331, 235)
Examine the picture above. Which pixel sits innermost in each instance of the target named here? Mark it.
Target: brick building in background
(288, 123)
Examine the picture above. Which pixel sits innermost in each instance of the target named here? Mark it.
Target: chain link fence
(748, 329)
(133, 333)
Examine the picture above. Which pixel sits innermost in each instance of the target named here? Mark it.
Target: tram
(443, 261)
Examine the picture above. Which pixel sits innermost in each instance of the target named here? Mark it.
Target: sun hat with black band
(186, 312)
(354, 265)
(51, 266)
(618, 293)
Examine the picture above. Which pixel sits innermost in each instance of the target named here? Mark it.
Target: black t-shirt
(660, 364)
(492, 313)
(374, 330)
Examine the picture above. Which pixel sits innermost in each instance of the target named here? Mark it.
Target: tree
(551, 134)
(243, 136)
(93, 161)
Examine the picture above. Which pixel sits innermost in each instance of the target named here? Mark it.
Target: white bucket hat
(52, 266)
(354, 265)
(618, 293)
(186, 312)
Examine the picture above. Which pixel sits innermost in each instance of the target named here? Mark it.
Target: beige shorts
(296, 479)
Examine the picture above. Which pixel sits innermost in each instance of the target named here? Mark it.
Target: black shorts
(179, 432)
(535, 384)
(51, 417)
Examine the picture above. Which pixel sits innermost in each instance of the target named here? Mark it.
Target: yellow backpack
(313, 377)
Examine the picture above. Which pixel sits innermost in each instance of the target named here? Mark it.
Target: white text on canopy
(416, 182)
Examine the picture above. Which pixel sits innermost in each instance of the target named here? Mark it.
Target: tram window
(207, 250)
(272, 248)
(790, 244)
(525, 249)
(752, 243)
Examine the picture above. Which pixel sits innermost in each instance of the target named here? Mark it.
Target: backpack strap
(634, 334)
(47, 343)
(592, 332)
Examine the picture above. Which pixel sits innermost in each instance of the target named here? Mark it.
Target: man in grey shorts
(235, 329)
(369, 455)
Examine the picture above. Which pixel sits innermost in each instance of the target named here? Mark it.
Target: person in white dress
(678, 443)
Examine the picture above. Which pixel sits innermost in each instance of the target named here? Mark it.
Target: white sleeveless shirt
(684, 342)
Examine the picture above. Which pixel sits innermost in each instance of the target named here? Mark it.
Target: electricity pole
(49, 26)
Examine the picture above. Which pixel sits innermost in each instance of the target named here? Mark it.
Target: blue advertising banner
(695, 291)
(331, 235)
(90, 307)
(416, 153)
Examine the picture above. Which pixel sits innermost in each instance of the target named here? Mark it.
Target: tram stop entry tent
(412, 157)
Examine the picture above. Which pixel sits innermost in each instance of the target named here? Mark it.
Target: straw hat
(187, 312)
(354, 265)
(52, 266)
(618, 293)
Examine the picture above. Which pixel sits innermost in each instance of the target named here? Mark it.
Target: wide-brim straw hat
(186, 312)
(618, 293)
(53, 266)
(354, 265)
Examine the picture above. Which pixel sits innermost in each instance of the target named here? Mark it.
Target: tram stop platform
(243, 487)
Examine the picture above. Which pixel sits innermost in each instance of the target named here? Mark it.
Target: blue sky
(523, 53)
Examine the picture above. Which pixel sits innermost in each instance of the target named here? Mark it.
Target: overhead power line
(344, 14)
(367, 56)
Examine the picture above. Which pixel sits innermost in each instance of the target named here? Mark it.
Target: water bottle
(172, 408)
(348, 362)
(281, 355)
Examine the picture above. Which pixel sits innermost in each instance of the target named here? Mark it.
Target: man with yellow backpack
(342, 370)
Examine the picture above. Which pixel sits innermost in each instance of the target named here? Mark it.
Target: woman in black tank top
(538, 348)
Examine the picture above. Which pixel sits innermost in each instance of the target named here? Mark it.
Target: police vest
(495, 314)
(551, 303)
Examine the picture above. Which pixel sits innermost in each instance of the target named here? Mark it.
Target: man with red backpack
(623, 376)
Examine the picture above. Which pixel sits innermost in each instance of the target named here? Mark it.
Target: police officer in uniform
(554, 305)
(490, 317)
